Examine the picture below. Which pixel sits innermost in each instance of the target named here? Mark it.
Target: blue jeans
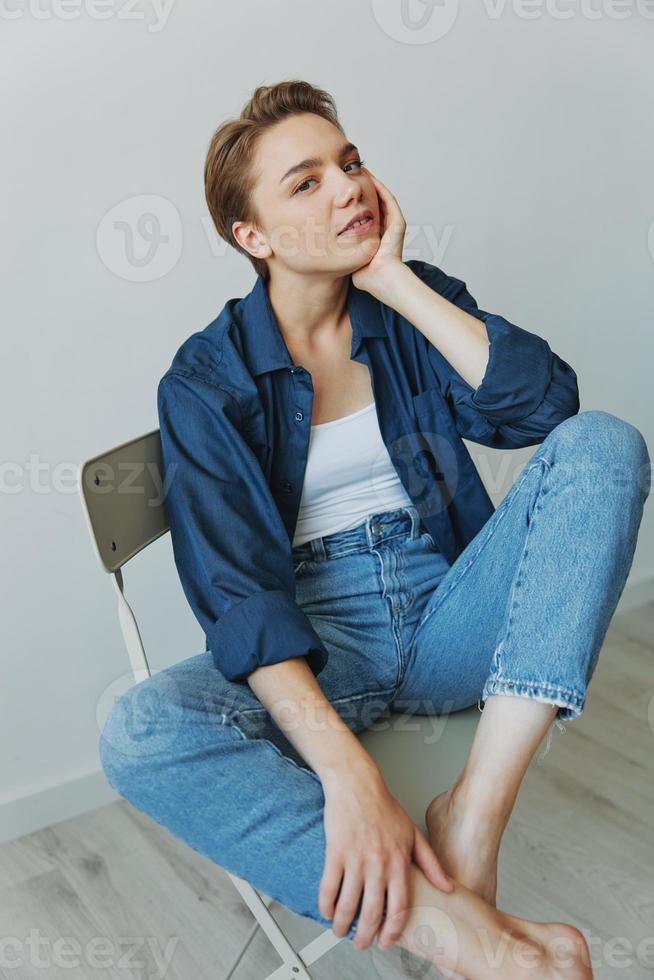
(522, 611)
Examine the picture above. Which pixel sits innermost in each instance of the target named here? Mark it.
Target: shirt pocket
(433, 415)
(450, 461)
(429, 402)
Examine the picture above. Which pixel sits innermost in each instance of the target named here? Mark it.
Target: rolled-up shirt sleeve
(230, 545)
(527, 389)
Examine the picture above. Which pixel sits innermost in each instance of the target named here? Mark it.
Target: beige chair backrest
(122, 492)
(123, 495)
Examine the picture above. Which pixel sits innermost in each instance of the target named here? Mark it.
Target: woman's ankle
(479, 808)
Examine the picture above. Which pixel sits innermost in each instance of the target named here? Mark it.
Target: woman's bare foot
(466, 847)
(460, 931)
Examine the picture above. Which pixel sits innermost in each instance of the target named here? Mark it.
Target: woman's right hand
(370, 844)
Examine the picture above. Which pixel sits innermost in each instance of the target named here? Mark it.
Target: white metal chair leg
(131, 634)
(294, 965)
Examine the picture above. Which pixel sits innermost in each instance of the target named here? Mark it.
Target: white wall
(521, 153)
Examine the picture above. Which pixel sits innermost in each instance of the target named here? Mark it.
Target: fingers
(372, 910)
(347, 902)
(329, 886)
(397, 907)
(425, 858)
(384, 193)
(386, 197)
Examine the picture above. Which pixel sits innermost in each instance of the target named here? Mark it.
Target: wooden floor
(579, 848)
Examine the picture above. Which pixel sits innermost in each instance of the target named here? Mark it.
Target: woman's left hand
(374, 274)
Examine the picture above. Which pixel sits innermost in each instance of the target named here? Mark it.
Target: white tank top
(349, 475)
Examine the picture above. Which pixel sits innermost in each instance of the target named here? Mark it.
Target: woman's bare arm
(371, 842)
(295, 700)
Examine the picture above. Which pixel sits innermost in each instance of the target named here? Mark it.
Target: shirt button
(299, 416)
(286, 486)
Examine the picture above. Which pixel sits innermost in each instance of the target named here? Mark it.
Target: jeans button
(375, 528)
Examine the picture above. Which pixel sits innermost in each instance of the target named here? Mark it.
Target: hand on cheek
(385, 249)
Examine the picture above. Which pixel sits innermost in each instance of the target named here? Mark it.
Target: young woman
(336, 544)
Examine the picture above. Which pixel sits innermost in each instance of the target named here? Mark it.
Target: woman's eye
(302, 184)
(356, 163)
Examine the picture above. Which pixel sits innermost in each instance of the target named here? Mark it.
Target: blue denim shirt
(235, 417)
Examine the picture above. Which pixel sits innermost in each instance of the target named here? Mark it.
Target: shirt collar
(264, 344)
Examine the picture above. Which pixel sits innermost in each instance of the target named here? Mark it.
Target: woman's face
(303, 209)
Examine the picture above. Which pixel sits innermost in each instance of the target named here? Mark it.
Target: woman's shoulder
(214, 354)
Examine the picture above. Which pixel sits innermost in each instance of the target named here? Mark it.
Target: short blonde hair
(228, 178)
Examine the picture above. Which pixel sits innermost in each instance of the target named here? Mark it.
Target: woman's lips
(358, 229)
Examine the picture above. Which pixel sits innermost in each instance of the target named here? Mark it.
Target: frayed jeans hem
(569, 702)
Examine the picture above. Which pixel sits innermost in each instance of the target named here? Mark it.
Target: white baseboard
(51, 804)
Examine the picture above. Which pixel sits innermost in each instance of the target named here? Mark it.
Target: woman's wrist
(354, 763)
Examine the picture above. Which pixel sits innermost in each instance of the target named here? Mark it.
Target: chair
(122, 499)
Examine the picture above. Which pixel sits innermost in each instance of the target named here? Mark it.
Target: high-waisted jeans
(522, 611)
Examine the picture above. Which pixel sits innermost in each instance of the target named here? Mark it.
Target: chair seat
(421, 755)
